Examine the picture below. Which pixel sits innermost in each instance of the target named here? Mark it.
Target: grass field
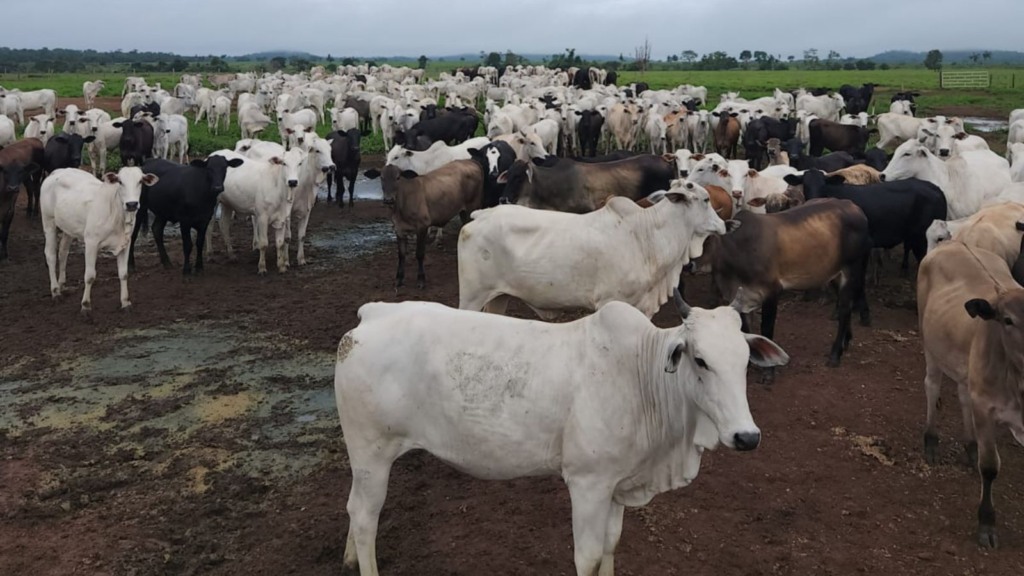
(1006, 93)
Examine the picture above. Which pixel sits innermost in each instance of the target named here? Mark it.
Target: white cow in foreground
(620, 252)
(100, 213)
(620, 409)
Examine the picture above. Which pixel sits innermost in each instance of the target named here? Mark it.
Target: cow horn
(681, 305)
(736, 300)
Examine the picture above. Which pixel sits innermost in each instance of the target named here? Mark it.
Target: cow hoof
(127, 308)
(987, 537)
(421, 284)
(86, 312)
(832, 363)
(261, 272)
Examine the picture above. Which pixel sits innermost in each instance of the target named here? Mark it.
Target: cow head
(291, 163)
(130, 180)
(1004, 317)
(709, 353)
(912, 159)
(517, 178)
(216, 168)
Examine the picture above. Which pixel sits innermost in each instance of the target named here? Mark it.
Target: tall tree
(933, 61)
(811, 58)
(493, 59)
(643, 55)
(689, 56)
(422, 62)
(745, 57)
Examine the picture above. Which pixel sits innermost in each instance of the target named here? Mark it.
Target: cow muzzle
(131, 206)
(293, 183)
(745, 441)
(737, 194)
(944, 152)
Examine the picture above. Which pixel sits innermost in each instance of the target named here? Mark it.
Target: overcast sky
(409, 28)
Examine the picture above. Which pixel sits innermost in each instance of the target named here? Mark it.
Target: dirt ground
(197, 434)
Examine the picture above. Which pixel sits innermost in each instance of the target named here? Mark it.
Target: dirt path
(198, 435)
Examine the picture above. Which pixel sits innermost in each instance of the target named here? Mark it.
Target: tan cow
(971, 311)
(858, 174)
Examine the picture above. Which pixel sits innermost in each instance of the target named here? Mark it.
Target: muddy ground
(197, 434)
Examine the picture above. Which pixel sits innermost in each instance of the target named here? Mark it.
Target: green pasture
(1006, 94)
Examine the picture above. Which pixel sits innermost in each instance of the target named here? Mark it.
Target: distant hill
(948, 57)
(267, 55)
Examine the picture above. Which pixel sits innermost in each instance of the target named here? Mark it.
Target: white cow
(439, 154)
(698, 126)
(132, 84)
(262, 188)
(1015, 115)
(618, 252)
(39, 126)
(621, 410)
(1016, 153)
(90, 90)
(203, 103)
(1015, 133)
(894, 129)
(108, 135)
(8, 133)
(10, 106)
(130, 100)
(45, 99)
(947, 137)
(657, 132)
(290, 120)
(344, 119)
(170, 137)
(741, 181)
(252, 120)
(548, 131)
(100, 213)
(901, 107)
(967, 179)
(826, 107)
(318, 163)
(221, 114)
(855, 119)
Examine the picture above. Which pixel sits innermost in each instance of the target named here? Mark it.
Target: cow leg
(769, 311)
(300, 256)
(988, 467)
(281, 242)
(351, 190)
(200, 244)
(226, 215)
(5, 229)
(50, 250)
(843, 330)
(966, 409)
(158, 238)
(62, 260)
(858, 279)
(933, 395)
(400, 273)
(365, 500)
(91, 251)
(330, 182)
(591, 507)
(421, 252)
(139, 216)
(122, 275)
(611, 539)
(186, 249)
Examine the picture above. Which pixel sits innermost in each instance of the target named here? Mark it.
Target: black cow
(899, 212)
(909, 97)
(611, 78)
(641, 87)
(838, 137)
(589, 131)
(136, 144)
(613, 156)
(857, 99)
(759, 131)
(186, 194)
(828, 163)
(455, 127)
(20, 163)
(346, 156)
(495, 159)
(876, 158)
(428, 111)
(581, 79)
(567, 186)
(362, 107)
(152, 108)
(64, 151)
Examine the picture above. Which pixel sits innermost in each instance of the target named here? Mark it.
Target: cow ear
(62, 138)
(696, 157)
(117, 124)
(669, 158)
(677, 197)
(409, 174)
(88, 139)
(502, 178)
(960, 135)
(111, 177)
(980, 308)
(752, 173)
(276, 160)
(198, 163)
(757, 202)
(764, 353)
(835, 179)
(716, 114)
(235, 162)
(793, 179)
(407, 153)
(150, 179)
(675, 356)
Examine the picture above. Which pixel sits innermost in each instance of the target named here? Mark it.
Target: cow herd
(620, 409)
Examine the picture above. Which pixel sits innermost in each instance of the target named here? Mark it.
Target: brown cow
(776, 155)
(957, 286)
(858, 174)
(803, 248)
(727, 133)
(20, 163)
(419, 202)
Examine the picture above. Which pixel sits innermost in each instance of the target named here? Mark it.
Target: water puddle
(353, 241)
(985, 124)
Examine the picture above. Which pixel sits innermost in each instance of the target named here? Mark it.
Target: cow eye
(701, 363)
(1008, 321)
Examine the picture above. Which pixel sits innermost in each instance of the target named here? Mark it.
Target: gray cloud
(404, 27)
